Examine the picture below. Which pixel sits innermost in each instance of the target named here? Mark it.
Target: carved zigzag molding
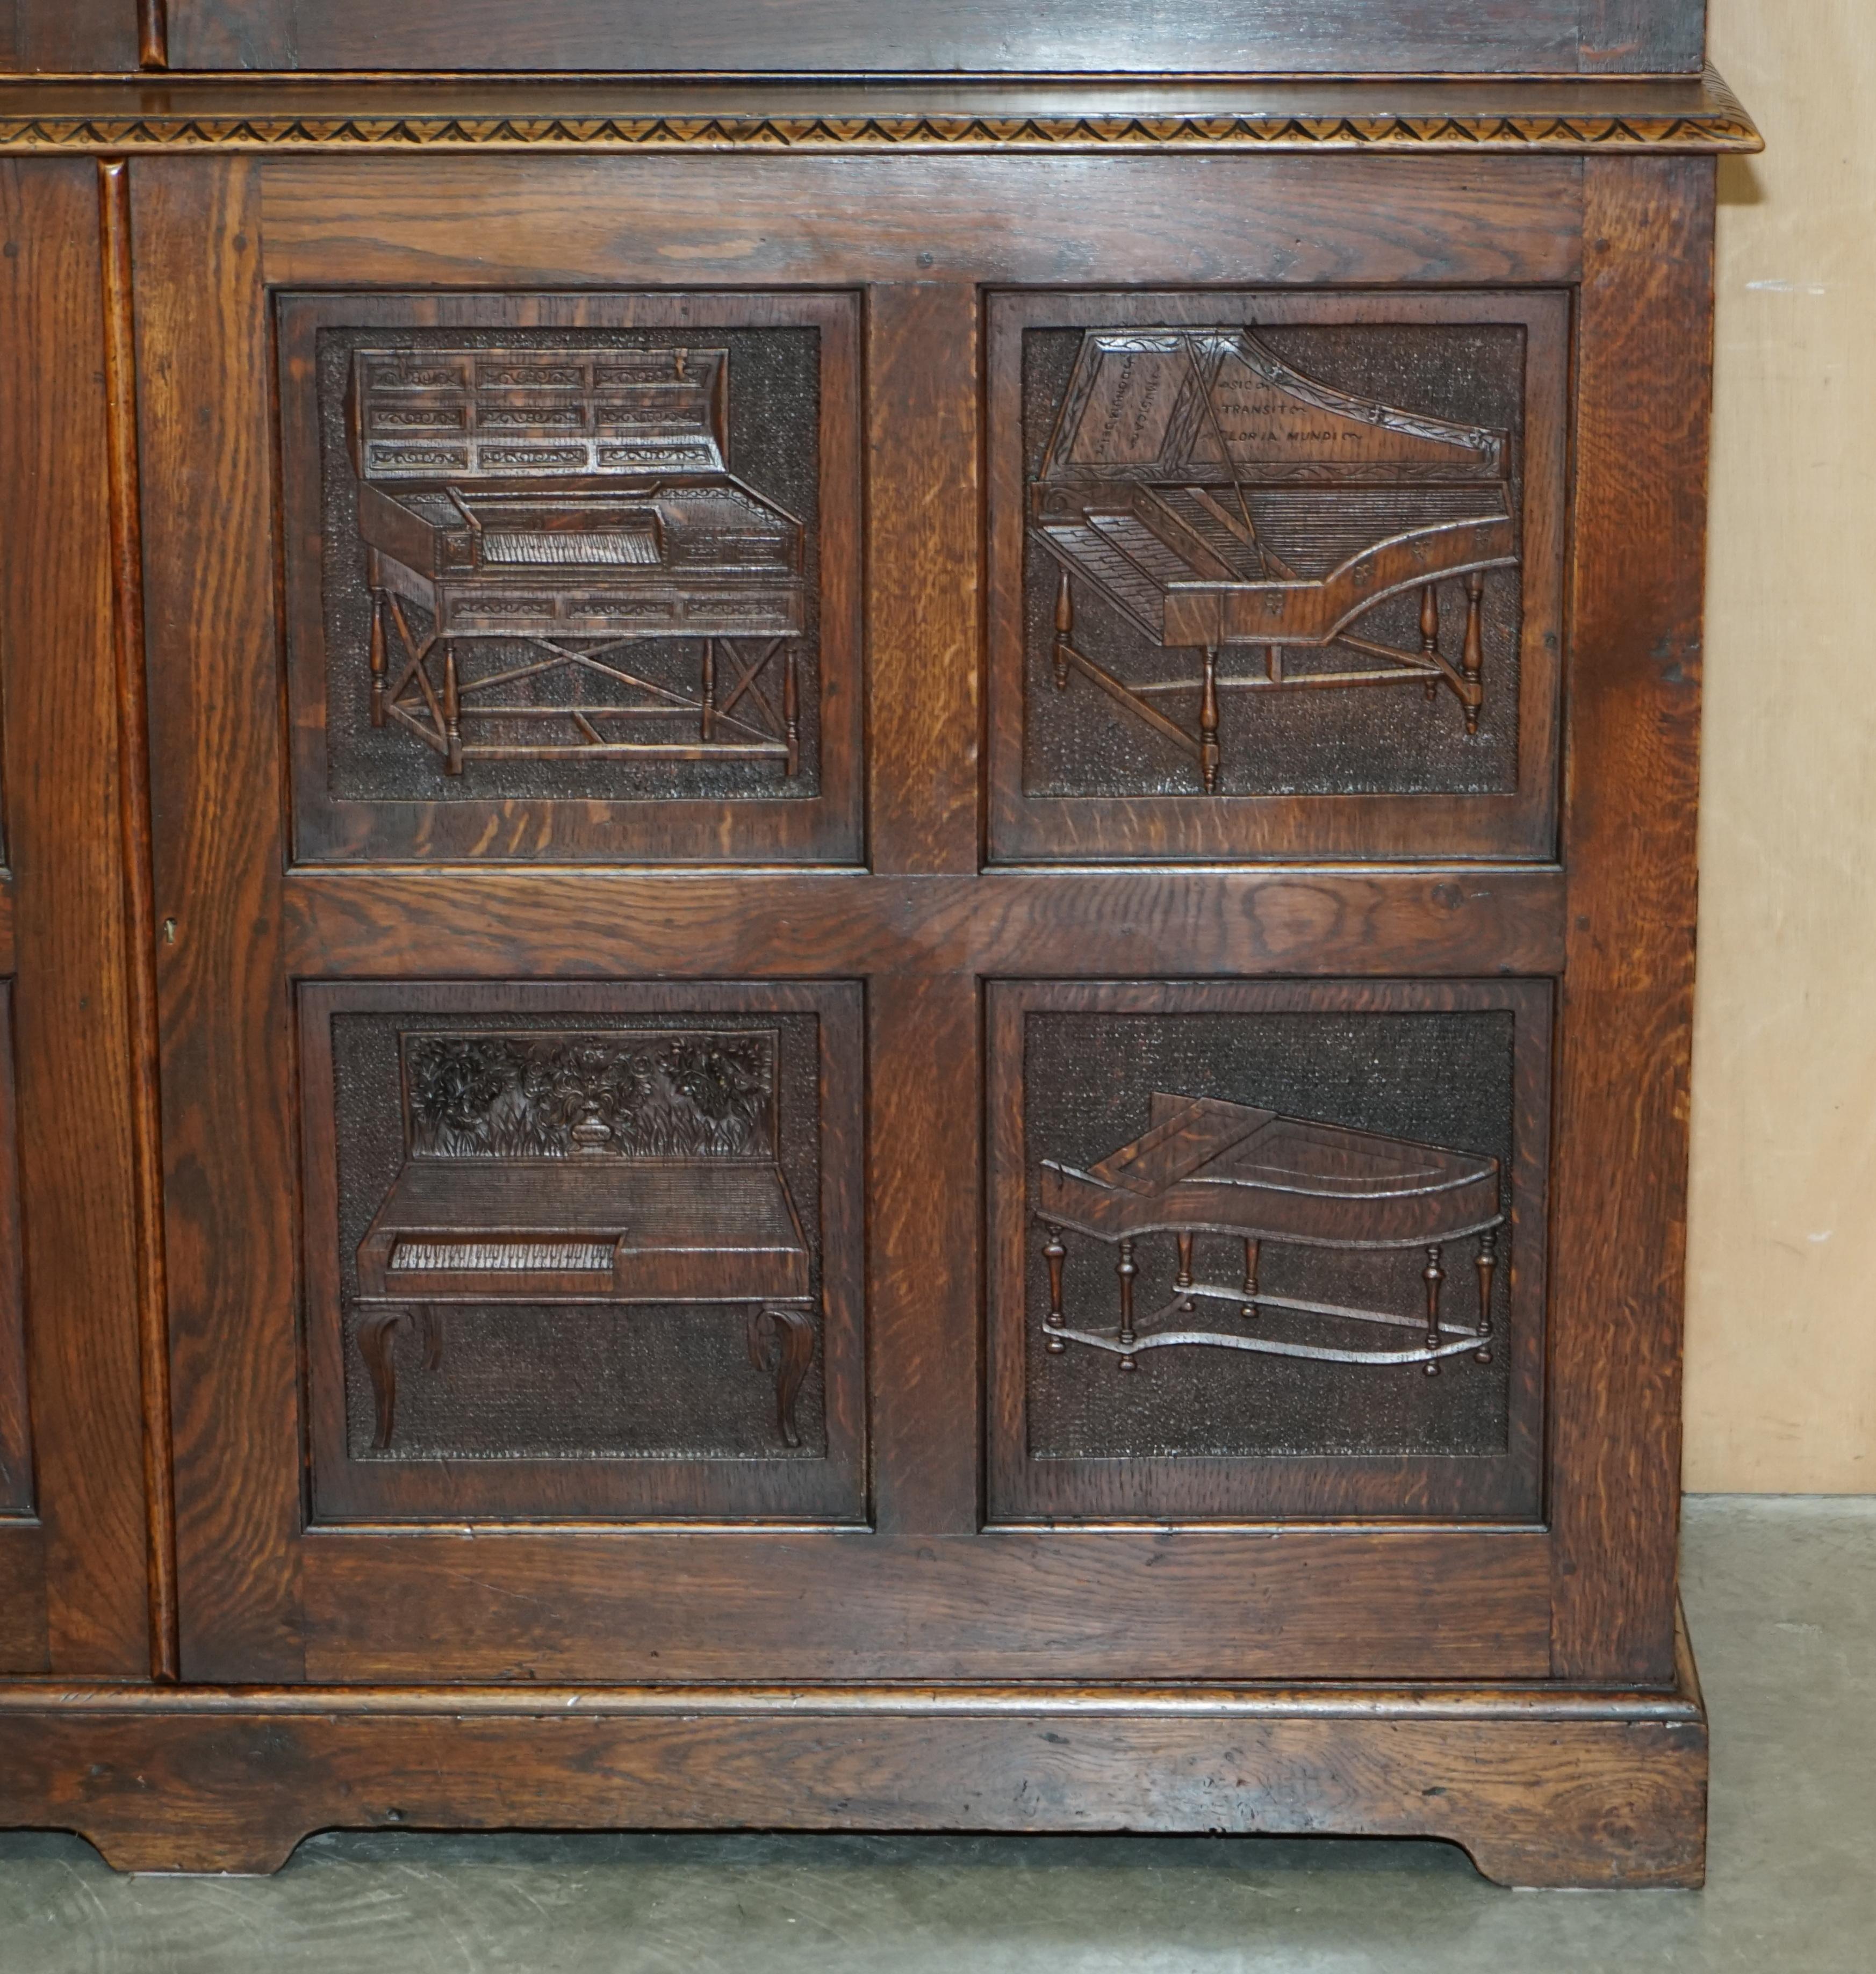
(1721, 127)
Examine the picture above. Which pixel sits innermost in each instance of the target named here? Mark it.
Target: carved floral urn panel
(576, 1243)
(545, 579)
(1264, 1249)
(1260, 555)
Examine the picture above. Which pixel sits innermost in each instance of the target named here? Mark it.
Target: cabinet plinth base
(1540, 1785)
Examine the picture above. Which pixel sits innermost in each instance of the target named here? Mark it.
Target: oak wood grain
(594, 924)
(737, 221)
(844, 1606)
(215, 737)
(139, 910)
(1543, 1788)
(1620, 1176)
(923, 1277)
(922, 355)
(70, 1033)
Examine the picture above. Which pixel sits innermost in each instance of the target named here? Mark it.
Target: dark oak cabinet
(848, 921)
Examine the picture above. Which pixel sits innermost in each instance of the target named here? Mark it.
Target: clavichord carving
(566, 505)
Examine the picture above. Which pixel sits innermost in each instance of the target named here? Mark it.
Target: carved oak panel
(1275, 574)
(583, 1250)
(1267, 1249)
(16, 1466)
(571, 576)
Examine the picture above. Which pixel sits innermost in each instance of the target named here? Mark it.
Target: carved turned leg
(1433, 1275)
(377, 1342)
(379, 658)
(791, 709)
(792, 1331)
(1183, 1279)
(1250, 1310)
(1208, 722)
(1429, 635)
(706, 722)
(1485, 1260)
(452, 713)
(1065, 630)
(1054, 1253)
(1472, 658)
(1125, 1269)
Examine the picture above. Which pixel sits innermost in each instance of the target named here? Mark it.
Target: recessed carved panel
(16, 1474)
(1267, 1249)
(587, 564)
(1257, 555)
(570, 1250)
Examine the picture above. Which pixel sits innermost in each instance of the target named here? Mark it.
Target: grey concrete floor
(1781, 1597)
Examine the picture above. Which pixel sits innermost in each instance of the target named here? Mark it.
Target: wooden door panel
(76, 1542)
(320, 995)
(539, 1360)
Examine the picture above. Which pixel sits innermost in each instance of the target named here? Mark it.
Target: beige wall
(1782, 1304)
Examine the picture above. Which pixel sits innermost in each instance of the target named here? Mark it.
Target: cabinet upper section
(854, 37)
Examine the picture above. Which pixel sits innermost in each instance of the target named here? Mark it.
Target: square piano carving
(1270, 1247)
(573, 576)
(583, 1249)
(581, 1168)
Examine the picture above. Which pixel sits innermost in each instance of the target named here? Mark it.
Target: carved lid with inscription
(500, 413)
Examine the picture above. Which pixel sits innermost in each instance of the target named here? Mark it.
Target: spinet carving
(1219, 498)
(618, 1168)
(570, 503)
(1207, 1168)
